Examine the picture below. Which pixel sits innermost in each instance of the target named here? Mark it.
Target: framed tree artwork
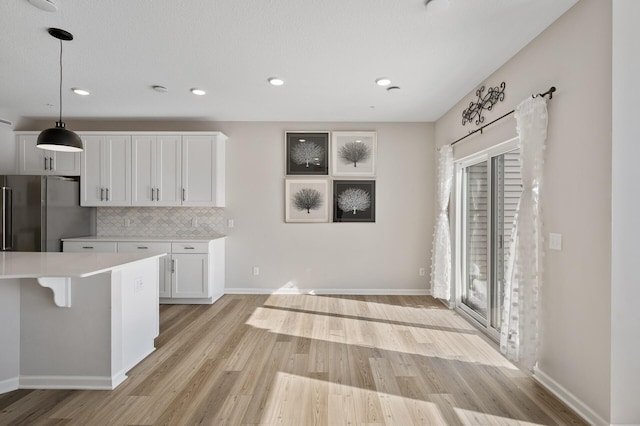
(353, 154)
(307, 200)
(354, 200)
(307, 153)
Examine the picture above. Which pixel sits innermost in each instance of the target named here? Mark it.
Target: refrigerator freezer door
(64, 216)
(27, 212)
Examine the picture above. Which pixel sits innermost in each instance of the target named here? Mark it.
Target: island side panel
(135, 318)
(9, 334)
(66, 347)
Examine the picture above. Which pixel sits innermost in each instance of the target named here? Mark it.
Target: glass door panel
(507, 186)
(475, 233)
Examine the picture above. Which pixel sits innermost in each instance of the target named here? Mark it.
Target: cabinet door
(168, 166)
(31, 159)
(142, 172)
(116, 158)
(65, 163)
(190, 276)
(91, 187)
(199, 158)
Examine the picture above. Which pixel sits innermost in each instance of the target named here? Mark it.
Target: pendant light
(58, 138)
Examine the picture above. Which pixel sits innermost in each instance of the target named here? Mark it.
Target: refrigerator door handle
(7, 225)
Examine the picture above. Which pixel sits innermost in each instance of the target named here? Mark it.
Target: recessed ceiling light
(383, 81)
(160, 89)
(198, 92)
(46, 5)
(80, 92)
(275, 81)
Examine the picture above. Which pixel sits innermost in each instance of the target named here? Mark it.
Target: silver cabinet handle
(101, 194)
(184, 196)
(142, 247)
(152, 195)
(87, 247)
(157, 194)
(50, 163)
(173, 266)
(189, 248)
(107, 194)
(45, 163)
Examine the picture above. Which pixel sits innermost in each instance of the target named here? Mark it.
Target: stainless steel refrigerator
(37, 211)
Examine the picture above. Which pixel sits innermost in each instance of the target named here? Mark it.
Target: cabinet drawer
(150, 247)
(97, 246)
(190, 247)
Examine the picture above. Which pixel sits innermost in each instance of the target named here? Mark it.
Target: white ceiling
(329, 52)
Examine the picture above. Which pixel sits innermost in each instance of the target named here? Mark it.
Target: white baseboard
(332, 291)
(72, 382)
(9, 385)
(582, 409)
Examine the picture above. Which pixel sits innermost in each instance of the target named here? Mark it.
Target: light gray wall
(573, 54)
(382, 256)
(625, 251)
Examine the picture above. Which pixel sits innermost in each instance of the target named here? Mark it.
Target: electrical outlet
(230, 223)
(137, 288)
(256, 270)
(127, 223)
(422, 272)
(194, 222)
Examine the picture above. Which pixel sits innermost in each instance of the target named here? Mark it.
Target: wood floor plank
(307, 360)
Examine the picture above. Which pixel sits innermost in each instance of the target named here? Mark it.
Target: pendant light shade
(58, 138)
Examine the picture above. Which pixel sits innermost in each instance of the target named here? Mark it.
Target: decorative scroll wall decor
(484, 102)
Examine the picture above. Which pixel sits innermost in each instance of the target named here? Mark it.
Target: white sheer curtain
(441, 252)
(519, 331)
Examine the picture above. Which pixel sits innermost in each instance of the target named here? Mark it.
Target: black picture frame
(307, 153)
(349, 194)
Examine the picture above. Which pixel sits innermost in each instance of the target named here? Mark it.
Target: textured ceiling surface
(329, 52)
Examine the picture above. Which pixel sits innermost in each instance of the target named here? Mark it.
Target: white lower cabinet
(192, 272)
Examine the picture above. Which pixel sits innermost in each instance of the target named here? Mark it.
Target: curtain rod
(548, 92)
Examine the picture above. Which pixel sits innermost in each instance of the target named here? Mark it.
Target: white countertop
(147, 239)
(76, 265)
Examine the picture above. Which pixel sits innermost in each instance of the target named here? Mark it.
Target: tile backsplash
(160, 221)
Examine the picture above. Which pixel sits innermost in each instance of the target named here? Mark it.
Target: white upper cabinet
(203, 170)
(35, 161)
(106, 171)
(156, 172)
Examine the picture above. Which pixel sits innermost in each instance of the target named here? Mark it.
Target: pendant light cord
(61, 81)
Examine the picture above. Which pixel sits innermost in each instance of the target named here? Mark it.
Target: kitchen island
(75, 320)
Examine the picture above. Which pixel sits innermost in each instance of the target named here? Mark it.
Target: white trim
(8, 385)
(72, 382)
(131, 133)
(331, 291)
(582, 409)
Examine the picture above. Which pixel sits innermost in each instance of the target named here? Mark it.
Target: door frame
(458, 240)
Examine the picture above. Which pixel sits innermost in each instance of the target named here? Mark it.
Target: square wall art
(354, 200)
(353, 154)
(307, 153)
(307, 200)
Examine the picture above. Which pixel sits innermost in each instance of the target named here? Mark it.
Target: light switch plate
(555, 241)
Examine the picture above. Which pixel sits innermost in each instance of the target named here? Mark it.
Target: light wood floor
(307, 360)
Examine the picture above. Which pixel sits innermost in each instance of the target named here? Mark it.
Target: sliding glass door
(489, 187)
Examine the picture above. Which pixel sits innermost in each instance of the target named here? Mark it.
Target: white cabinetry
(156, 170)
(192, 271)
(203, 174)
(106, 171)
(35, 161)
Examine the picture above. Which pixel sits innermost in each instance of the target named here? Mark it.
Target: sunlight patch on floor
(469, 417)
(423, 340)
